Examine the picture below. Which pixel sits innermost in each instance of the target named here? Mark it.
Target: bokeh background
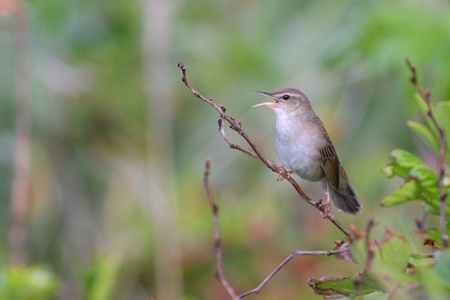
(117, 144)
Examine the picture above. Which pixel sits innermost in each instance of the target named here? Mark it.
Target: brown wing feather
(330, 164)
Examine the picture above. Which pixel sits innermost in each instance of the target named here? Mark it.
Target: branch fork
(341, 249)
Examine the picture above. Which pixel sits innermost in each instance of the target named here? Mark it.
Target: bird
(304, 147)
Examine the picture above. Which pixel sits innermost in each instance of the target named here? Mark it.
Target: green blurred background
(116, 205)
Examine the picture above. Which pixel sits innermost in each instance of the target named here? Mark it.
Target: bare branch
(426, 97)
(231, 144)
(237, 126)
(359, 279)
(218, 246)
(284, 262)
(217, 239)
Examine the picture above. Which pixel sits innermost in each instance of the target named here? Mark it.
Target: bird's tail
(346, 198)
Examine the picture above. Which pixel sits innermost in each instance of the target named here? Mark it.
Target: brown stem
(231, 144)
(285, 261)
(237, 126)
(426, 97)
(217, 239)
(218, 246)
(359, 279)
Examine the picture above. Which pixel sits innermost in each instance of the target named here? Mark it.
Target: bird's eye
(285, 97)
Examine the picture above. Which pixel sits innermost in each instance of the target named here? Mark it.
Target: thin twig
(359, 279)
(218, 246)
(231, 144)
(217, 239)
(284, 262)
(426, 97)
(237, 126)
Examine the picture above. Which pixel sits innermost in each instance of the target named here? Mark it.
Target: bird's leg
(283, 173)
(326, 205)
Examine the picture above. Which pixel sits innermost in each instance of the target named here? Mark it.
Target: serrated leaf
(333, 286)
(427, 179)
(442, 267)
(409, 191)
(432, 283)
(405, 158)
(402, 162)
(359, 250)
(395, 251)
(434, 208)
(425, 133)
(391, 262)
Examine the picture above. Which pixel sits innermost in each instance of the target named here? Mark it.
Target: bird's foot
(283, 173)
(325, 210)
(325, 207)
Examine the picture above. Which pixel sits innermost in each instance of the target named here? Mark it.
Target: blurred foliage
(397, 272)
(88, 222)
(20, 283)
(390, 266)
(100, 279)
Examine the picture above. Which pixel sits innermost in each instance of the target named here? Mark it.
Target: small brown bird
(304, 147)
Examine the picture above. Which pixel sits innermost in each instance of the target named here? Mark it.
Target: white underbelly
(299, 156)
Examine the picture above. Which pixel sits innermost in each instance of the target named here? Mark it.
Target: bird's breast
(298, 146)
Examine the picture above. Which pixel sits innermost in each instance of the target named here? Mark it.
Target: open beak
(269, 104)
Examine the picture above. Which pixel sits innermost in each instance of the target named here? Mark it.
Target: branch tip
(181, 66)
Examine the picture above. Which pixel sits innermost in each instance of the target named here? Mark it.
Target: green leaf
(427, 179)
(432, 283)
(442, 266)
(405, 159)
(409, 191)
(435, 209)
(443, 116)
(424, 109)
(373, 296)
(392, 260)
(435, 280)
(359, 251)
(421, 104)
(402, 162)
(332, 286)
(396, 252)
(425, 133)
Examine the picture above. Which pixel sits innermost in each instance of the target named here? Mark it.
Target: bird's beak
(268, 104)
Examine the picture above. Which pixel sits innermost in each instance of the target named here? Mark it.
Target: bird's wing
(330, 164)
